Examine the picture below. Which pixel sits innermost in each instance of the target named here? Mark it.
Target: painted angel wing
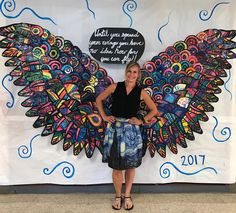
(61, 84)
(183, 82)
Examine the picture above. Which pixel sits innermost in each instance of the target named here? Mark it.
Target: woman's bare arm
(152, 107)
(150, 104)
(102, 97)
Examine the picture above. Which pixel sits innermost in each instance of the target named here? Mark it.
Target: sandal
(128, 199)
(117, 201)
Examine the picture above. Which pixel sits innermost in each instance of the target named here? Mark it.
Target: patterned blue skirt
(122, 147)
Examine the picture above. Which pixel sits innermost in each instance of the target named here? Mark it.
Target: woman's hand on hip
(109, 118)
(135, 121)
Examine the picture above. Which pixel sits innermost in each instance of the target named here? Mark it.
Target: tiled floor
(90, 202)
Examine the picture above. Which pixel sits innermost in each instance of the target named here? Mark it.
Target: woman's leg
(129, 179)
(117, 178)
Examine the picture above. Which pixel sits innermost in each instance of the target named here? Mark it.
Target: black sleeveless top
(123, 105)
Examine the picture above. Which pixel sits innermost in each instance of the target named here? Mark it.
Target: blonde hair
(133, 64)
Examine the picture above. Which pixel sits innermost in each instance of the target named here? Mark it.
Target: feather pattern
(183, 81)
(60, 83)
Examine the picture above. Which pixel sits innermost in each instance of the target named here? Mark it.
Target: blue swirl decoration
(24, 151)
(226, 87)
(129, 6)
(10, 6)
(87, 4)
(10, 78)
(159, 31)
(165, 173)
(68, 171)
(225, 131)
(204, 13)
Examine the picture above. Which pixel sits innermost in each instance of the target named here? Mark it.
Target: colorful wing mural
(183, 81)
(60, 83)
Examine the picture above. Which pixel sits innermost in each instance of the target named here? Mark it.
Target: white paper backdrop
(208, 159)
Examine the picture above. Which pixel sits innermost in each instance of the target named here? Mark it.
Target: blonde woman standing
(123, 140)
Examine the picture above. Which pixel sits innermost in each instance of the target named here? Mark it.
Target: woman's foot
(117, 203)
(128, 203)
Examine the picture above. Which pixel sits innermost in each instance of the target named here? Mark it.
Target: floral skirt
(122, 147)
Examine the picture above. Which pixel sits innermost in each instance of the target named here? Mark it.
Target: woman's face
(132, 74)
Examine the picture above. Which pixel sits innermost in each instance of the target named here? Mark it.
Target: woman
(123, 140)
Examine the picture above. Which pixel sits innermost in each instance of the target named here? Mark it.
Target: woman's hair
(133, 64)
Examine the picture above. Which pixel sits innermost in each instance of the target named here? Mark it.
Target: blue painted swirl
(129, 6)
(226, 87)
(24, 151)
(165, 173)
(203, 13)
(90, 9)
(159, 31)
(225, 131)
(8, 104)
(67, 171)
(10, 6)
